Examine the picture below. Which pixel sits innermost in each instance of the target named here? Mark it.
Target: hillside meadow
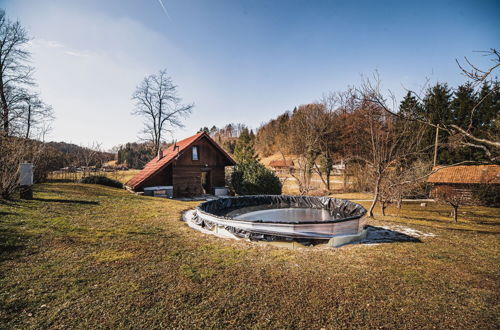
(87, 256)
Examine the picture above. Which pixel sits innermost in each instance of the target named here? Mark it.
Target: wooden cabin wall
(162, 178)
(187, 172)
(208, 155)
(465, 191)
(184, 173)
(218, 176)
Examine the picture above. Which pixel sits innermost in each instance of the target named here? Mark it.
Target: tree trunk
(28, 122)
(398, 203)
(5, 107)
(375, 196)
(328, 180)
(455, 214)
(5, 117)
(382, 208)
(345, 177)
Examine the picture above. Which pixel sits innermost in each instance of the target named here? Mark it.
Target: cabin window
(195, 153)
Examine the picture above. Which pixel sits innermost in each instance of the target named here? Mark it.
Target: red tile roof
(169, 154)
(466, 174)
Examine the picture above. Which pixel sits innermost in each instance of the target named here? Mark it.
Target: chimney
(160, 153)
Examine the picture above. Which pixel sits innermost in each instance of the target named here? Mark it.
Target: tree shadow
(2, 213)
(11, 243)
(376, 235)
(70, 201)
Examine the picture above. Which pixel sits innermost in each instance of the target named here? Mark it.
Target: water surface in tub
(287, 215)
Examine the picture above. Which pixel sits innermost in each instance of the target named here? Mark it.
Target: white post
(26, 180)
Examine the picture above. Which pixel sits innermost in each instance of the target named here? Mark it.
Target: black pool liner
(224, 208)
(339, 209)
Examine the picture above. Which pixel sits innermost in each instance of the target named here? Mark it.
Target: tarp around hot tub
(215, 212)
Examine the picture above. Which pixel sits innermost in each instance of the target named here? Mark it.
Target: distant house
(338, 169)
(465, 181)
(282, 166)
(192, 166)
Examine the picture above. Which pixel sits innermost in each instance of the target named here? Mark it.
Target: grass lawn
(88, 256)
(353, 196)
(121, 176)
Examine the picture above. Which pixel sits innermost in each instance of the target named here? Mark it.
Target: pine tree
(244, 151)
(410, 107)
(461, 109)
(462, 104)
(487, 110)
(436, 110)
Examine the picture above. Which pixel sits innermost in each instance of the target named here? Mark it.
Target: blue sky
(238, 61)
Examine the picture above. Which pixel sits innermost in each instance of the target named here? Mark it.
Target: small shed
(465, 180)
(193, 166)
(282, 166)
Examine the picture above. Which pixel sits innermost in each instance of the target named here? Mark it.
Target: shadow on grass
(377, 235)
(5, 213)
(71, 201)
(11, 243)
(62, 181)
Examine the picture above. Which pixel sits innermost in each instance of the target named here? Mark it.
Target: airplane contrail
(164, 9)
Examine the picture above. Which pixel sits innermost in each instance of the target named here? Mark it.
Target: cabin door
(206, 182)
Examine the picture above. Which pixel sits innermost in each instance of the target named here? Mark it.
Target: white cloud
(87, 67)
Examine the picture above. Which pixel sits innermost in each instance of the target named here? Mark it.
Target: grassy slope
(90, 256)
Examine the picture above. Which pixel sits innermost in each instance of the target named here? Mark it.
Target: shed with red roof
(193, 166)
(471, 184)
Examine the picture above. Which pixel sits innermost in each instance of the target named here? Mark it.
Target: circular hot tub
(278, 217)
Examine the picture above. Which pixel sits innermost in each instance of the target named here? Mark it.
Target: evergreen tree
(487, 110)
(410, 107)
(244, 151)
(250, 177)
(436, 110)
(463, 102)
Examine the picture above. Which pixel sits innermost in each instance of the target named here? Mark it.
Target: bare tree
(157, 102)
(381, 142)
(89, 156)
(309, 136)
(454, 197)
(35, 115)
(477, 74)
(14, 151)
(490, 146)
(405, 179)
(15, 73)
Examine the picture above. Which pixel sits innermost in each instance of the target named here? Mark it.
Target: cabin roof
(169, 155)
(281, 163)
(464, 174)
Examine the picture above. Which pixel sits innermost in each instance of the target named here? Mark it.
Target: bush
(254, 179)
(487, 195)
(102, 180)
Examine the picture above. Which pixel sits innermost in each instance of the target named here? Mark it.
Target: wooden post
(436, 145)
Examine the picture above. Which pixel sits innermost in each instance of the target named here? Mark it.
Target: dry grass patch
(92, 256)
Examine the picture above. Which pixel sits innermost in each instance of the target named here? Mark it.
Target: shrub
(102, 180)
(253, 178)
(487, 195)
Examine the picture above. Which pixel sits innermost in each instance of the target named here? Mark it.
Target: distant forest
(440, 104)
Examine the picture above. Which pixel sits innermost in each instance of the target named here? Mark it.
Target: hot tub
(278, 217)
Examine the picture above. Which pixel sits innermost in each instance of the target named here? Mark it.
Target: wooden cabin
(193, 166)
(282, 166)
(465, 181)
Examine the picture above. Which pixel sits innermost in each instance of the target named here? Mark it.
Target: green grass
(86, 256)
